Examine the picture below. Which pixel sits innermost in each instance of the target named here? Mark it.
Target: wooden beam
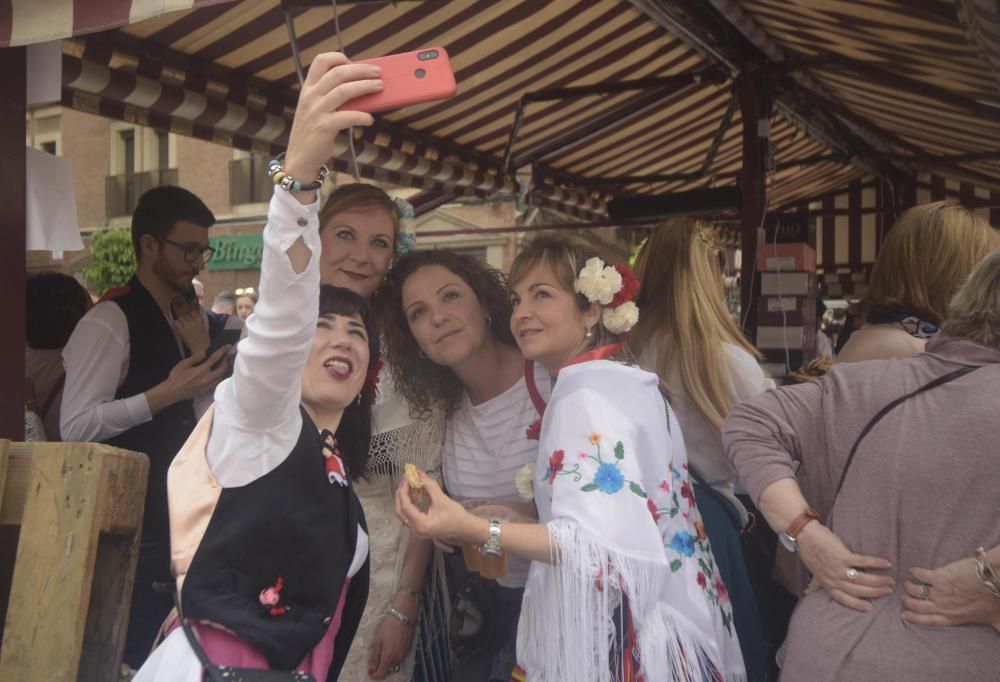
(13, 218)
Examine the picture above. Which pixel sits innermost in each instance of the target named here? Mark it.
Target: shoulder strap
(940, 381)
(211, 671)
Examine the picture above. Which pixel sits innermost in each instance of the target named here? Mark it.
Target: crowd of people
(604, 478)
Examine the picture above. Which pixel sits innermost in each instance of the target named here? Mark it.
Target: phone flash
(429, 54)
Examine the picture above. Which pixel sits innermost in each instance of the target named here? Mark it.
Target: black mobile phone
(227, 337)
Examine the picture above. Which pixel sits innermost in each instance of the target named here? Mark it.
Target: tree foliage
(113, 260)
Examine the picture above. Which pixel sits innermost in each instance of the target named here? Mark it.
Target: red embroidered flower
(534, 431)
(701, 580)
(651, 506)
(665, 487)
(555, 464)
(720, 587)
(687, 493)
(630, 286)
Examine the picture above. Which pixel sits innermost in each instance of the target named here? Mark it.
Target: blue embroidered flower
(682, 543)
(608, 479)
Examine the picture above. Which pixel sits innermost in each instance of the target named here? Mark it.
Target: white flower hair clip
(614, 287)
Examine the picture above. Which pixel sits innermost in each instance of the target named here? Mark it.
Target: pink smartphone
(409, 78)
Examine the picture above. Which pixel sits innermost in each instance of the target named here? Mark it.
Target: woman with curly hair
(623, 585)
(448, 342)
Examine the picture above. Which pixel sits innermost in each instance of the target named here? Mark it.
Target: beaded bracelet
(286, 182)
(985, 572)
(405, 620)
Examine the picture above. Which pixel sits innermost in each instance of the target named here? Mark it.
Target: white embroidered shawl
(611, 484)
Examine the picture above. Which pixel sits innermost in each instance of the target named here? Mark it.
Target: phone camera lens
(430, 54)
(419, 73)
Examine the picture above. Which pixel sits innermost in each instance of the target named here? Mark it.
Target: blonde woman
(403, 623)
(926, 256)
(705, 365)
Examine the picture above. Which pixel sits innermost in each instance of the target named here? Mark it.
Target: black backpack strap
(940, 381)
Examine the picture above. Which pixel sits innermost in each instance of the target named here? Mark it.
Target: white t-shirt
(484, 447)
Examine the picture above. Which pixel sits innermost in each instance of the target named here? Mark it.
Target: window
(162, 150)
(49, 147)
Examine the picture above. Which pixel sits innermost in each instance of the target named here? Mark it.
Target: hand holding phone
(227, 337)
(408, 78)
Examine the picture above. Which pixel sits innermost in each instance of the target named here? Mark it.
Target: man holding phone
(131, 383)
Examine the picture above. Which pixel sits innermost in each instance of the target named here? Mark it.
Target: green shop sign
(236, 252)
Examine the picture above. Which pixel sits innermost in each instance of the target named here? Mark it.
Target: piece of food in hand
(412, 476)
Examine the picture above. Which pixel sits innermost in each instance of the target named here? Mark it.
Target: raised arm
(262, 397)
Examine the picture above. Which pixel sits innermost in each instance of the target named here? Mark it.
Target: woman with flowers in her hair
(623, 584)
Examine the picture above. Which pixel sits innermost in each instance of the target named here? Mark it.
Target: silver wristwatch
(492, 545)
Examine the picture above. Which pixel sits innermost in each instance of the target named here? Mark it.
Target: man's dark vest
(153, 352)
(292, 524)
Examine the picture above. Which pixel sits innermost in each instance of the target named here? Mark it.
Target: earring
(589, 334)
(489, 320)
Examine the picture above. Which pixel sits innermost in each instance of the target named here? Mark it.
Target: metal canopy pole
(751, 95)
(13, 221)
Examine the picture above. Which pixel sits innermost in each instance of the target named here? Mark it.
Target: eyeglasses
(193, 252)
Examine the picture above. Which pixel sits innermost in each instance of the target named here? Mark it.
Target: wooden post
(13, 96)
(80, 509)
(751, 96)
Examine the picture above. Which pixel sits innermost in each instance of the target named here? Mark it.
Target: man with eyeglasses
(131, 381)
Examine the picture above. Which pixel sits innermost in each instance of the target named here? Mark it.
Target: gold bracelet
(985, 572)
(413, 593)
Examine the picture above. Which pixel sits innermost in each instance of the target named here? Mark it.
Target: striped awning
(614, 102)
(921, 76)
(24, 22)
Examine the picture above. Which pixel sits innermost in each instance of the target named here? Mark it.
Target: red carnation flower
(630, 286)
(555, 464)
(701, 580)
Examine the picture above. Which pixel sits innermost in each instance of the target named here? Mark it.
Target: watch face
(787, 542)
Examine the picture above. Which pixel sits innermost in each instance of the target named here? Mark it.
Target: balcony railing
(122, 192)
(249, 182)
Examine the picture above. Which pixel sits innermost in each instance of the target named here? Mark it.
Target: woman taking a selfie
(268, 540)
(623, 585)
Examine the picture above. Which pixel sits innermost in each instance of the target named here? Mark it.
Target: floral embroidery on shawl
(608, 478)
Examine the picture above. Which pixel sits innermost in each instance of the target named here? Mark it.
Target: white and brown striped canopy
(223, 71)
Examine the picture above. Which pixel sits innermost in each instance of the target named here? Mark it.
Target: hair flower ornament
(406, 240)
(614, 287)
